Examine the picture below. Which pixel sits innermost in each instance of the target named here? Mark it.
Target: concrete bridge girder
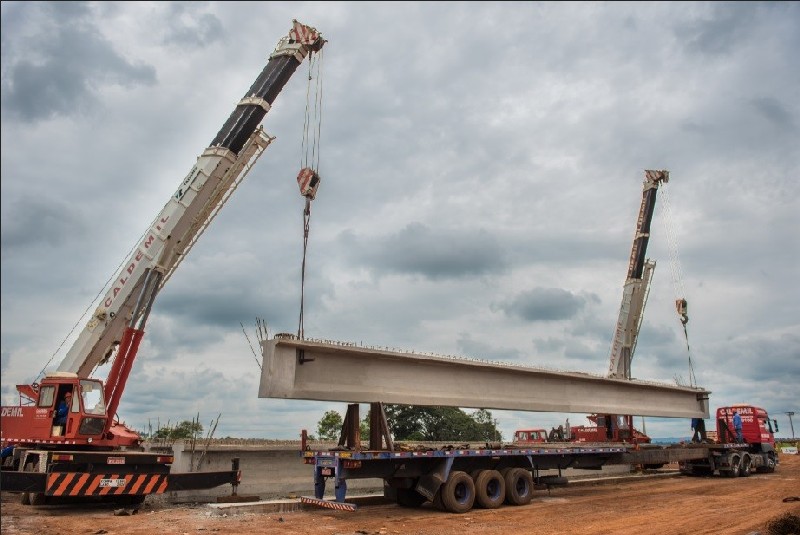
(332, 371)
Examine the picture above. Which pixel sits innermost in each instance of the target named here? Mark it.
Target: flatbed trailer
(458, 478)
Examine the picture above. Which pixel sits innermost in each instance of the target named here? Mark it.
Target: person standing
(737, 427)
(699, 428)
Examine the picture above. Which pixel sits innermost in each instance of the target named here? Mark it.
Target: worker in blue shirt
(63, 409)
(737, 427)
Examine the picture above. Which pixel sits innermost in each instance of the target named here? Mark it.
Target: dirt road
(675, 505)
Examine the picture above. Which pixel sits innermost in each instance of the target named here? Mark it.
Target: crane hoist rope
(681, 304)
(308, 179)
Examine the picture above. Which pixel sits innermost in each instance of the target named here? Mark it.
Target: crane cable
(308, 179)
(681, 304)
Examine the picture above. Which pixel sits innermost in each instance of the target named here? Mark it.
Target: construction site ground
(767, 504)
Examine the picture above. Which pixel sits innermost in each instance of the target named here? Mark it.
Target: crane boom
(637, 282)
(199, 197)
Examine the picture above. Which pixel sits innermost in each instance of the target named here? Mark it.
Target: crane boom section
(199, 197)
(637, 283)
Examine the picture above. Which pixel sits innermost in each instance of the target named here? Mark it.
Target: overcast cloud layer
(482, 167)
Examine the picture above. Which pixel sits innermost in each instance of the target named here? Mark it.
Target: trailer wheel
(733, 471)
(458, 492)
(770, 466)
(745, 467)
(490, 489)
(437, 499)
(519, 486)
(410, 498)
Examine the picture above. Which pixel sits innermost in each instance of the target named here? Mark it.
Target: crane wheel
(26, 496)
(38, 498)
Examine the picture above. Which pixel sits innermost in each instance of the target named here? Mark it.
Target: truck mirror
(776, 425)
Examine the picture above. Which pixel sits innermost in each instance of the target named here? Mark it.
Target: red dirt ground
(674, 505)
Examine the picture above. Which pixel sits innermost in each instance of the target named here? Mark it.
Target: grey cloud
(432, 253)
(61, 69)
(774, 111)
(31, 221)
(549, 346)
(189, 28)
(758, 357)
(718, 34)
(470, 347)
(544, 304)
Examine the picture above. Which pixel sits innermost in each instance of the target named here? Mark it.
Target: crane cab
(61, 409)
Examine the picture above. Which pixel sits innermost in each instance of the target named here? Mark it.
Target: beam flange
(336, 371)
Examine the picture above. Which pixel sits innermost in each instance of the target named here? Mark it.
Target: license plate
(113, 482)
(326, 472)
(116, 460)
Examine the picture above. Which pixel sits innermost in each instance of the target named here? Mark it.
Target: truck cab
(530, 436)
(757, 428)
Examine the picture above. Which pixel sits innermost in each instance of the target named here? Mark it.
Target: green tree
(438, 424)
(329, 426)
(183, 430)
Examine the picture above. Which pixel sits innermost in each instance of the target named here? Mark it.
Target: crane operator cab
(65, 406)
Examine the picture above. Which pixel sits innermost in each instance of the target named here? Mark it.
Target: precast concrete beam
(335, 371)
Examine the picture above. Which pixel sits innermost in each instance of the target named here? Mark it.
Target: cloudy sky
(482, 167)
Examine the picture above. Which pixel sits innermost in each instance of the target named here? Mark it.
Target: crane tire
(38, 498)
(25, 499)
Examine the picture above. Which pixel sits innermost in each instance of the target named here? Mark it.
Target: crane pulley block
(308, 181)
(682, 306)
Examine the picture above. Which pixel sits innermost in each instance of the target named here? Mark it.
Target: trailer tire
(745, 467)
(458, 492)
(437, 499)
(769, 467)
(733, 471)
(519, 486)
(490, 489)
(410, 498)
